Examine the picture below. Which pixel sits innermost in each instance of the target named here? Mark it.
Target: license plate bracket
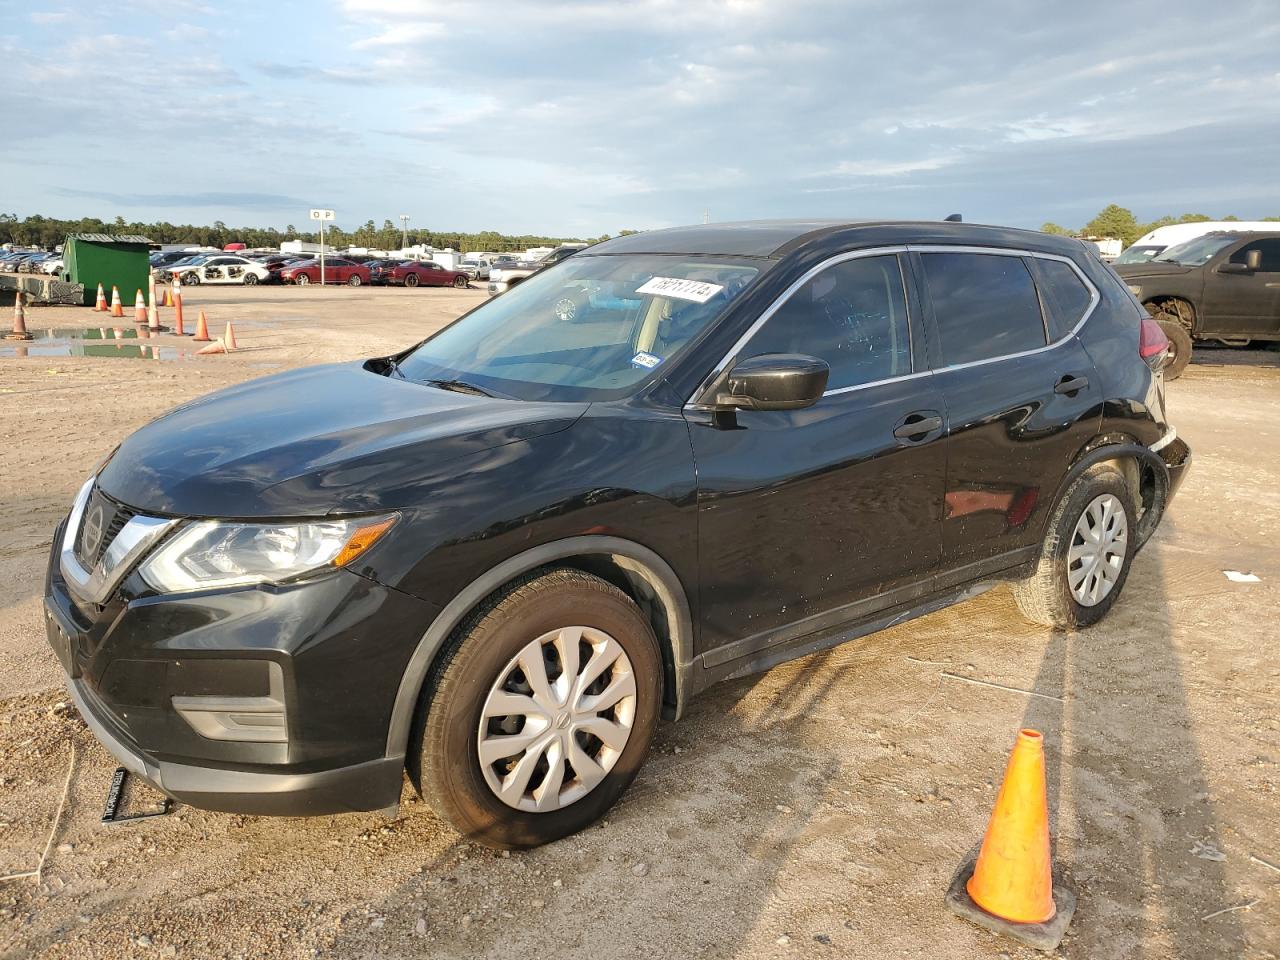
(115, 799)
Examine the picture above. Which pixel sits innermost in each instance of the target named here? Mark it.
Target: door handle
(916, 427)
(1071, 385)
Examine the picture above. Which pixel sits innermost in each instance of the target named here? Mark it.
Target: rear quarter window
(985, 306)
(1063, 294)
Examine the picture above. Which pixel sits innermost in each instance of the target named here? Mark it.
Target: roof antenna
(954, 218)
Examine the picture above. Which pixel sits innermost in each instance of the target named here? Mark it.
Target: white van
(1151, 245)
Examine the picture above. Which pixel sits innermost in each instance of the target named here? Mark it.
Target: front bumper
(331, 651)
(496, 287)
(374, 785)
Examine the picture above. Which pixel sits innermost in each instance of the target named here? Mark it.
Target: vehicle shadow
(1220, 355)
(1131, 808)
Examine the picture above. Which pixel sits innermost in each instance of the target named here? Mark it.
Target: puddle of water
(118, 342)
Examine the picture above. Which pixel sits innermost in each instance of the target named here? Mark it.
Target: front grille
(110, 520)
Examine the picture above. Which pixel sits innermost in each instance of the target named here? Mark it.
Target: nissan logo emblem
(91, 539)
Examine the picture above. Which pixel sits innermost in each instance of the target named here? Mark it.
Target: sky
(585, 117)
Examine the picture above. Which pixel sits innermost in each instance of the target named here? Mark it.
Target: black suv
(498, 557)
(1223, 286)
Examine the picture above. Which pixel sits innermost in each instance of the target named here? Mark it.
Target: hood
(321, 440)
(1151, 269)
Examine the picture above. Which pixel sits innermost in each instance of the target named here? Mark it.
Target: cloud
(593, 112)
(219, 200)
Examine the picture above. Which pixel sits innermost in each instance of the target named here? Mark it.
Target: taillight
(1153, 345)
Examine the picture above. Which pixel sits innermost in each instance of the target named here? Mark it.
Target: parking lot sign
(323, 216)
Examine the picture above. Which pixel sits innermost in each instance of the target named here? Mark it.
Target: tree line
(1119, 222)
(48, 232)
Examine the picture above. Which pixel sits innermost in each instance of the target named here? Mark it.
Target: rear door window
(853, 315)
(1063, 294)
(985, 306)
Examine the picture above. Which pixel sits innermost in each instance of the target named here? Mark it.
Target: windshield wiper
(460, 386)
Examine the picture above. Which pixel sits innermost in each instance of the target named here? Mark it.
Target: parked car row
(224, 268)
(30, 261)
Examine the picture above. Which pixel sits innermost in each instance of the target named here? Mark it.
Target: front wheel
(354, 280)
(460, 282)
(191, 279)
(542, 714)
(1084, 560)
(302, 279)
(411, 280)
(250, 279)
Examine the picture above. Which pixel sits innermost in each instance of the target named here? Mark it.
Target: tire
(539, 607)
(251, 280)
(1179, 342)
(302, 280)
(354, 280)
(1047, 596)
(461, 282)
(191, 279)
(411, 280)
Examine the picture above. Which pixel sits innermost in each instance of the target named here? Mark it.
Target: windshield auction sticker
(695, 290)
(646, 360)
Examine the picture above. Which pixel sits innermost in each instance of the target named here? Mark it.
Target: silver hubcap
(1098, 549)
(557, 719)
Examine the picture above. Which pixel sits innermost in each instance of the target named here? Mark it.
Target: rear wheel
(460, 282)
(1084, 560)
(542, 714)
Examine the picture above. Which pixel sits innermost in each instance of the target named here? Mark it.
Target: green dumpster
(100, 258)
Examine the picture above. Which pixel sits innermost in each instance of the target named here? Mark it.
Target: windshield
(592, 328)
(1195, 253)
(1136, 254)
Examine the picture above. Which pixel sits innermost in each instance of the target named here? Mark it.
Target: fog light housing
(239, 719)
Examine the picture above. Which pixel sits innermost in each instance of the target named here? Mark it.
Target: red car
(336, 270)
(412, 273)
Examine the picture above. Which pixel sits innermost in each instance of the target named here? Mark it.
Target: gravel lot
(817, 810)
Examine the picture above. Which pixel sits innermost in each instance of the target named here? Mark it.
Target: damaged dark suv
(496, 559)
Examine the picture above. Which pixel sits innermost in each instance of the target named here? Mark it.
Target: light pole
(404, 229)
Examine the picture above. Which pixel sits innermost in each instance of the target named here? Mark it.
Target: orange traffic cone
(229, 338)
(1009, 888)
(216, 347)
(117, 308)
(202, 328)
(19, 331)
(100, 305)
(166, 299)
(139, 308)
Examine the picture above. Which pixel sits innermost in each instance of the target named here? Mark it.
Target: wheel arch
(1144, 470)
(633, 568)
(1187, 319)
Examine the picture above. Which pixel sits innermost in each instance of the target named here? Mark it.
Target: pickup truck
(1222, 286)
(504, 276)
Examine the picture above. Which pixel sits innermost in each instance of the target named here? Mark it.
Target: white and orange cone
(139, 308)
(117, 308)
(100, 305)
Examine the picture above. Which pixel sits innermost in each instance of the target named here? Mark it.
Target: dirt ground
(816, 810)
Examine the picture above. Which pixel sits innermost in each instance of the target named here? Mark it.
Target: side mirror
(1252, 263)
(775, 381)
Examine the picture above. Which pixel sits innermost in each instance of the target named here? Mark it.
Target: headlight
(1135, 290)
(211, 554)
